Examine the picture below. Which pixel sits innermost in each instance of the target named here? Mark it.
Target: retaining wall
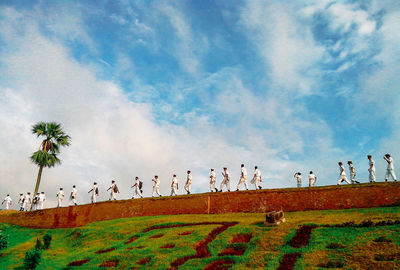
(292, 199)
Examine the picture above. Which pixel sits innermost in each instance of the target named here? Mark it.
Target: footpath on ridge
(252, 201)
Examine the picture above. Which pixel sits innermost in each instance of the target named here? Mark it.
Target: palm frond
(39, 129)
(46, 159)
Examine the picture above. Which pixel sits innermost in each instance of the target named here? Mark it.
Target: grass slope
(357, 248)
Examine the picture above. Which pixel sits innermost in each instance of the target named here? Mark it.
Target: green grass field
(375, 247)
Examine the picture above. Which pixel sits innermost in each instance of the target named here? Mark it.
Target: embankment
(290, 199)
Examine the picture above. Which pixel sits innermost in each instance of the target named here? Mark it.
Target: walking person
(27, 202)
(60, 196)
(243, 178)
(42, 199)
(342, 174)
(188, 182)
(225, 180)
(256, 178)
(174, 185)
(136, 186)
(21, 202)
(371, 169)
(156, 187)
(213, 178)
(35, 201)
(114, 189)
(298, 178)
(95, 192)
(390, 168)
(312, 178)
(352, 173)
(8, 201)
(73, 194)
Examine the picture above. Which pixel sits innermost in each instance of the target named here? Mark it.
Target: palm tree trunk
(37, 183)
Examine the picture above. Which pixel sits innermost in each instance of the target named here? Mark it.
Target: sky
(162, 87)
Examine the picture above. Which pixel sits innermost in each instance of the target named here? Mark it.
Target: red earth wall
(255, 201)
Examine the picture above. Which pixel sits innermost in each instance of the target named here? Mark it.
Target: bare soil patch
(288, 261)
(222, 264)
(144, 261)
(110, 263)
(78, 263)
(168, 245)
(241, 238)
(105, 250)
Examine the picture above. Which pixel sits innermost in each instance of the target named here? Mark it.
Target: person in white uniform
(371, 169)
(297, 176)
(27, 201)
(21, 202)
(390, 168)
(95, 192)
(312, 178)
(256, 178)
(156, 187)
(352, 173)
(114, 190)
(342, 174)
(8, 201)
(188, 181)
(174, 185)
(35, 201)
(213, 179)
(136, 186)
(243, 178)
(73, 194)
(60, 196)
(42, 199)
(225, 180)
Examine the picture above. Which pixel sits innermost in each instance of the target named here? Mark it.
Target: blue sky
(288, 85)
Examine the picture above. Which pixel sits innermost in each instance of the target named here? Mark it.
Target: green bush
(3, 241)
(46, 241)
(32, 258)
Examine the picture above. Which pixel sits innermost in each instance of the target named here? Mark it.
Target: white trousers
(8, 205)
(137, 192)
(257, 182)
(311, 182)
(94, 197)
(353, 178)
(391, 174)
(342, 177)
(372, 177)
(59, 203)
(73, 200)
(112, 195)
(40, 205)
(212, 185)
(156, 189)
(173, 190)
(225, 182)
(26, 206)
(243, 180)
(187, 187)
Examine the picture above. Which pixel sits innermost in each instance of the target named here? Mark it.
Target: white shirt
(311, 176)
(257, 173)
(189, 177)
(27, 198)
(243, 172)
(213, 175)
(225, 174)
(7, 199)
(21, 199)
(157, 182)
(42, 197)
(112, 187)
(341, 170)
(174, 181)
(351, 169)
(390, 164)
(137, 183)
(298, 177)
(372, 162)
(94, 189)
(60, 194)
(73, 192)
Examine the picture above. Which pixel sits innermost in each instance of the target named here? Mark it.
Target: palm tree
(46, 156)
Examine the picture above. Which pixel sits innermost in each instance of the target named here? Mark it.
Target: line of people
(352, 172)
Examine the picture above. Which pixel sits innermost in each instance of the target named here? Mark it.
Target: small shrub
(334, 246)
(332, 264)
(382, 239)
(3, 241)
(32, 258)
(46, 241)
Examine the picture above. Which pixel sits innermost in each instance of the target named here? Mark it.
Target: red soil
(110, 263)
(144, 261)
(233, 251)
(130, 240)
(130, 248)
(105, 250)
(202, 246)
(157, 236)
(288, 261)
(241, 238)
(140, 247)
(220, 265)
(78, 263)
(168, 246)
(302, 236)
(186, 233)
